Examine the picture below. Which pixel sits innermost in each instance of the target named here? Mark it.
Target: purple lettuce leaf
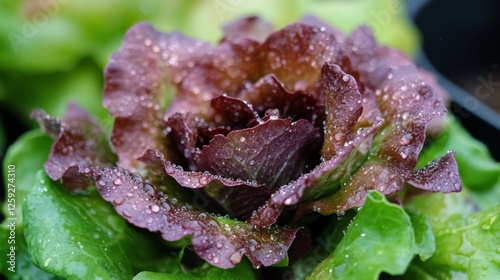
(343, 108)
(184, 131)
(190, 179)
(296, 53)
(218, 240)
(439, 175)
(233, 112)
(136, 79)
(268, 93)
(323, 180)
(346, 144)
(271, 153)
(374, 63)
(226, 69)
(253, 28)
(316, 22)
(407, 105)
(80, 140)
(226, 191)
(254, 160)
(361, 51)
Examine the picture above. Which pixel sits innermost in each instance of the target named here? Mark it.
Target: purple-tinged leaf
(50, 125)
(322, 180)
(407, 105)
(220, 241)
(361, 49)
(227, 69)
(226, 190)
(272, 153)
(405, 98)
(440, 175)
(241, 201)
(233, 112)
(209, 132)
(80, 140)
(268, 93)
(371, 114)
(296, 53)
(343, 108)
(137, 77)
(190, 179)
(316, 22)
(253, 28)
(184, 131)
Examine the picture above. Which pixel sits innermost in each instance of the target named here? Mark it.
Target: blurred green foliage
(54, 51)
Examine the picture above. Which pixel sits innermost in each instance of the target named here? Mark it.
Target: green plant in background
(62, 60)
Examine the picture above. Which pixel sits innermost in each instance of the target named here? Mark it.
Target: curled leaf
(220, 241)
(80, 140)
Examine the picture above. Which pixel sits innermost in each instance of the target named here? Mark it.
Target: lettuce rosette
(240, 145)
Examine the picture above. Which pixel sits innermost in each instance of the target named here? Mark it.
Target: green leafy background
(47, 63)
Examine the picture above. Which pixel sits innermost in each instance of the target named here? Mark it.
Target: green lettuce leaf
(380, 238)
(466, 242)
(424, 237)
(2, 134)
(243, 270)
(81, 236)
(323, 246)
(24, 268)
(27, 154)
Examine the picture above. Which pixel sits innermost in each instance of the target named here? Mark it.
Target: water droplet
(149, 189)
(155, 208)
(126, 213)
(363, 234)
(345, 78)
(235, 258)
(405, 139)
(242, 139)
(137, 177)
(487, 225)
(117, 182)
(203, 180)
(339, 136)
(47, 261)
(119, 200)
(405, 115)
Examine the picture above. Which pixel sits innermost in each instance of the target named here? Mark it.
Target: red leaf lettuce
(264, 127)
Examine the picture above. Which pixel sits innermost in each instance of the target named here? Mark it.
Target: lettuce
(264, 129)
